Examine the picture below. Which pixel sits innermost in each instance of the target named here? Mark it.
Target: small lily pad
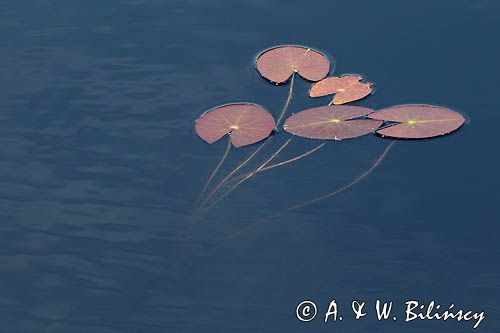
(347, 88)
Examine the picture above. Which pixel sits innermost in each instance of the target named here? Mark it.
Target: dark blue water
(100, 168)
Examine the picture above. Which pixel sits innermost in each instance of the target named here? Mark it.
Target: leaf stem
(212, 175)
(312, 201)
(309, 152)
(224, 181)
(263, 165)
(287, 103)
(343, 188)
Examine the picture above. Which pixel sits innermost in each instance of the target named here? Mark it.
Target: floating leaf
(246, 123)
(346, 88)
(418, 121)
(331, 122)
(279, 63)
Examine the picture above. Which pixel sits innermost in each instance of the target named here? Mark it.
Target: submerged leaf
(347, 88)
(246, 123)
(331, 122)
(418, 121)
(279, 63)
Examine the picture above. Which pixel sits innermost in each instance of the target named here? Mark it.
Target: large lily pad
(331, 122)
(418, 121)
(279, 63)
(246, 123)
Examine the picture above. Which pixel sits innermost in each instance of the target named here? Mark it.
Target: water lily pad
(279, 63)
(246, 123)
(331, 122)
(418, 121)
(347, 88)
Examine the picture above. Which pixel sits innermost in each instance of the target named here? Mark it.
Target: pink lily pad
(331, 122)
(347, 88)
(418, 121)
(246, 123)
(279, 63)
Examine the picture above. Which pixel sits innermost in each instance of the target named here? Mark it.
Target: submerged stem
(309, 152)
(288, 100)
(212, 175)
(343, 188)
(307, 203)
(224, 181)
(272, 166)
(263, 165)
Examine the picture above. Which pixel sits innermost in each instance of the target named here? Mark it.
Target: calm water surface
(100, 168)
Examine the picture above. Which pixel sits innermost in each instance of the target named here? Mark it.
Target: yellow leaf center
(335, 120)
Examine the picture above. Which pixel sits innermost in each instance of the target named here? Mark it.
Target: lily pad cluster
(248, 123)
